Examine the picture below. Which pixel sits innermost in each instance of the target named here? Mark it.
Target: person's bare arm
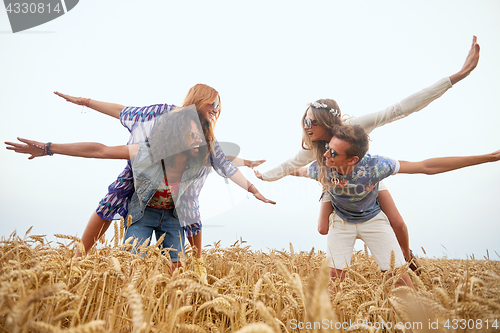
(325, 210)
(111, 109)
(79, 149)
(241, 181)
(470, 63)
(444, 164)
(238, 161)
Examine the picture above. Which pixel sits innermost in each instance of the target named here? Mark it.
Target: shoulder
(380, 159)
(383, 164)
(313, 170)
(368, 159)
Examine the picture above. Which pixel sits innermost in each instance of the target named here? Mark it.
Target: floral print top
(354, 198)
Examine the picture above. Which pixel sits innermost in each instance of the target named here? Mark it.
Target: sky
(268, 60)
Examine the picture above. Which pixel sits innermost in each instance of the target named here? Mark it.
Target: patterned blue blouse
(140, 122)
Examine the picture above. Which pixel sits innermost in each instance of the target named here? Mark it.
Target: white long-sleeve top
(369, 122)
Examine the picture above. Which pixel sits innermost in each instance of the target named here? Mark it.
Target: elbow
(100, 153)
(430, 171)
(427, 168)
(323, 230)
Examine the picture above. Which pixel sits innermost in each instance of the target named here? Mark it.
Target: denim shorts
(161, 221)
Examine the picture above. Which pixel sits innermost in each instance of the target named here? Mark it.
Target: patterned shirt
(354, 198)
(188, 209)
(163, 198)
(140, 122)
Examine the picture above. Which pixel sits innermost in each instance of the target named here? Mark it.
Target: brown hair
(168, 137)
(356, 136)
(201, 95)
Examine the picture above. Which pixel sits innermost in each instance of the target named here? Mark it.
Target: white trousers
(376, 233)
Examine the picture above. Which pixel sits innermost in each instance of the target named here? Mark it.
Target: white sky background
(267, 59)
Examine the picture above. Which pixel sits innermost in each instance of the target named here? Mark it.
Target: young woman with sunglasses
(168, 171)
(324, 114)
(140, 121)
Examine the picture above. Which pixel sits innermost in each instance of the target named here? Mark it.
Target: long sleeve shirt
(369, 122)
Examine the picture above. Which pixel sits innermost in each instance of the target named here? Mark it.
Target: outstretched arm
(238, 161)
(302, 172)
(111, 109)
(303, 158)
(419, 100)
(369, 122)
(79, 149)
(470, 63)
(443, 164)
(241, 181)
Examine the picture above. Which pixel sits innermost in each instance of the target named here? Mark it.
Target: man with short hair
(350, 209)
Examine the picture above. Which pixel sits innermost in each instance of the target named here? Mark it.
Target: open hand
(29, 148)
(253, 164)
(472, 58)
(470, 62)
(71, 99)
(258, 174)
(263, 199)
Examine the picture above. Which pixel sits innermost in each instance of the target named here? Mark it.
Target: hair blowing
(201, 95)
(328, 122)
(173, 133)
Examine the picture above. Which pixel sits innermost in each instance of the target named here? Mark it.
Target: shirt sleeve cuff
(396, 167)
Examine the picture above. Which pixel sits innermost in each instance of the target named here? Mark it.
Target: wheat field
(43, 289)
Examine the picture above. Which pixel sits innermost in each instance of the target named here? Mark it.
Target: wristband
(47, 149)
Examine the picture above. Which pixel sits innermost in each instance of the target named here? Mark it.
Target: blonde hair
(328, 121)
(201, 95)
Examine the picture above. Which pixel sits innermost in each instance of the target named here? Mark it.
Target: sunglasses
(215, 104)
(309, 123)
(332, 151)
(194, 135)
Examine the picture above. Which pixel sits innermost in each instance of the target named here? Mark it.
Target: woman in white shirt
(322, 115)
